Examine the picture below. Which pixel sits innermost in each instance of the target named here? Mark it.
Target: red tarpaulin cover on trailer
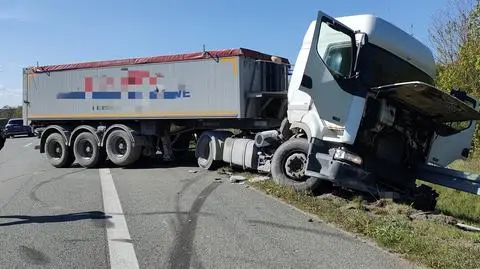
(160, 59)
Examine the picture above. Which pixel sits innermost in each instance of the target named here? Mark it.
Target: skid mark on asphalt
(299, 229)
(33, 256)
(17, 192)
(183, 251)
(33, 192)
(36, 173)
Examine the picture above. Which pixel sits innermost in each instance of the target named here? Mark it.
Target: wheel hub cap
(295, 165)
(120, 147)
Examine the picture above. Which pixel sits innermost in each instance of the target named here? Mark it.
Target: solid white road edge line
(122, 253)
(27, 145)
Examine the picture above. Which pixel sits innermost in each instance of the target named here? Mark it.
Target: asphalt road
(157, 217)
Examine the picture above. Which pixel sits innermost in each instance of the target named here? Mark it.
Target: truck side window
(335, 49)
(459, 126)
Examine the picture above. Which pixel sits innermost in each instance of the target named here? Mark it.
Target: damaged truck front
(363, 113)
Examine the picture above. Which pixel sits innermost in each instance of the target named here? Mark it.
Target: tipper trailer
(359, 110)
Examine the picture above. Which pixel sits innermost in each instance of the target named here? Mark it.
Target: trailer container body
(201, 85)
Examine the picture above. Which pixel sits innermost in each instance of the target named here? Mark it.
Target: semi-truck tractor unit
(358, 109)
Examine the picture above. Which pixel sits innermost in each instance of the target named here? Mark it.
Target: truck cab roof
(393, 39)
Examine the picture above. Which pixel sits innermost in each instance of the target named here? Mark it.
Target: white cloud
(10, 96)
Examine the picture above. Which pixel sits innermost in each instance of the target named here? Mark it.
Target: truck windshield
(335, 49)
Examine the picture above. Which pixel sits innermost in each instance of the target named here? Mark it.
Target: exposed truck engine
(360, 111)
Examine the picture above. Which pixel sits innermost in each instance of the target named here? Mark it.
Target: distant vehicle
(15, 127)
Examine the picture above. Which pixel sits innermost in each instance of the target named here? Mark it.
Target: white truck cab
(327, 96)
(362, 93)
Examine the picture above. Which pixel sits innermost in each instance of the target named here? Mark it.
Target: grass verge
(433, 244)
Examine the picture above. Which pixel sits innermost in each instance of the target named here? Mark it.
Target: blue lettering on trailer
(169, 94)
(107, 95)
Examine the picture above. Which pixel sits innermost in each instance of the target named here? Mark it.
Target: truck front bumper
(340, 173)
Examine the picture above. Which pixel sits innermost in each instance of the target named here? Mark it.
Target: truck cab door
(322, 80)
(447, 148)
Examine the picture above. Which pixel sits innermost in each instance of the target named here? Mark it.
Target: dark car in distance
(15, 127)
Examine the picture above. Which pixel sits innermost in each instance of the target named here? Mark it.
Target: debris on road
(449, 220)
(237, 179)
(434, 217)
(192, 171)
(258, 179)
(468, 227)
(224, 171)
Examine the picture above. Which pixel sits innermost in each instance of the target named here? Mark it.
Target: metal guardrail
(457, 180)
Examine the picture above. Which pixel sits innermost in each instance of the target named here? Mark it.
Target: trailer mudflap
(457, 180)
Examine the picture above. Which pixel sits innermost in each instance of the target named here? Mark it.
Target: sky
(61, 31)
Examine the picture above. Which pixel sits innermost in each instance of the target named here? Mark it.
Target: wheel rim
(55, 150)
(85, 149)
(295, 166)
(119, 148)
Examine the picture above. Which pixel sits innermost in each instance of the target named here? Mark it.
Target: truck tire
(57, 151)
(120, 148)
(288, 166)
(86, 150)
(208, 145)
(425, 198)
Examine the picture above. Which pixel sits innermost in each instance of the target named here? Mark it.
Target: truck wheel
(209, 145)
(57, 151)
(120, 148)
(86, 150)
(425, 198)
(289, 163)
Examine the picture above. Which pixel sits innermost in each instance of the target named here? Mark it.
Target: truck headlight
(343, 155)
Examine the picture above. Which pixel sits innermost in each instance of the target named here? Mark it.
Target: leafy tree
(455, 35)
(10, 112)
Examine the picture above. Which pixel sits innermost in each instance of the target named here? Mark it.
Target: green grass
(426, 242)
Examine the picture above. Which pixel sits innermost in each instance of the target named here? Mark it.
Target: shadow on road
(92, 215)
(157, 162)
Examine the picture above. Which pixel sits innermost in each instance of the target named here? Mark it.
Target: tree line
(455, 36)
(8, 112)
